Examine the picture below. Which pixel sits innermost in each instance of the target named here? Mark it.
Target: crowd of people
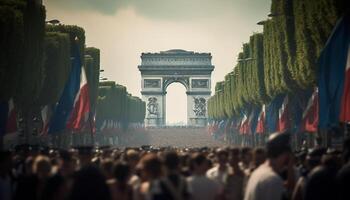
(273, 172)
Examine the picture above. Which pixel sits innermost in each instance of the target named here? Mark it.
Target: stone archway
(159, 70)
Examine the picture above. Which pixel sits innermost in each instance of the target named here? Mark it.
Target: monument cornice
(176, 67)
(153, 93)
(198, 92)
(176, 72)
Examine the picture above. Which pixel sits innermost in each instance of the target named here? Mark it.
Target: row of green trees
(281, 60)
(116, 104)
(35, 63)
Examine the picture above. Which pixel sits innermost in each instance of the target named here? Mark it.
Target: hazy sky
(123, 29)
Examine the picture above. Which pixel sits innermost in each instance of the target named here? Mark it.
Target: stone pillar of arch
(159, 70)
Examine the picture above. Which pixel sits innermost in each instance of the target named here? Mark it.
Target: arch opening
(176, 104)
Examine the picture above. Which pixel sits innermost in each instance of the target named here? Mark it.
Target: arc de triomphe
(159, 70)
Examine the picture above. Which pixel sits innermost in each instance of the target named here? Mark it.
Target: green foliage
(22, 37)
(57, 66)
(93, 74)
(76, 34)
(314, 21)
(11, 44)
(114, 103)
(280, 60)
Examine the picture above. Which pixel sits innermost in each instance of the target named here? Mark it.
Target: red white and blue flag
(334, 81)
(345, 102)
(260, 128)
(63, 109)
(79, 118)
(244, 126)
(45, 116)
(283, 116)
(310, 115)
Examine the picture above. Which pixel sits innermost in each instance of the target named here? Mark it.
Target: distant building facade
(159, 70)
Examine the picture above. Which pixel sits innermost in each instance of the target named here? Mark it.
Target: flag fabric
(345, 102)
(244, 126)
(46, 113)
(215, 127)
(11, 125)
(260, 128)
(283, 116)
(271, 115)
(65, 105)
(253, 122)
(92, 122)
(331, 77)
(227, 127)
(310, 115)
(79, 118)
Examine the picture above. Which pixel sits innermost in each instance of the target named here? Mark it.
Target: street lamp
(272, 14)
(53, 22)
(261, 22)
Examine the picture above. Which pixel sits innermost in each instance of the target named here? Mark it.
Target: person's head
(151, 166)
(28, 165)
(278, 150)
(313, 159)
(85, 155)
(346, 150)
(132, 158)
(122, 172)
(234, 157)
(259, 156)
(66, 165)
(332, 159)
(171, 160)
(246, 155)
(222, 156)
(199, 163)
(107, 168)
(42, 167)
(89, 183)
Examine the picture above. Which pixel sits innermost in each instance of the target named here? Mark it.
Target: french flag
(63, 109)
(283, 116)
(310, 115)
(243, 128)
(79, 118)
(260, 128)
(345, 102)
(46, 112)
(334, 77)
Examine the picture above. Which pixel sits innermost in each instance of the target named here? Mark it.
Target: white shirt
(217, 175)
(264, 184)
(202, 188)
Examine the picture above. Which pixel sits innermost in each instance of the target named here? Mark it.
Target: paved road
(177, 137)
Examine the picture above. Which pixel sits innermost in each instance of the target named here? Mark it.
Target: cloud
(164, 9)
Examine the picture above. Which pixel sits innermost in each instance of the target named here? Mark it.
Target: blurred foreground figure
(200, 186)
(265, 183)
(343, 176)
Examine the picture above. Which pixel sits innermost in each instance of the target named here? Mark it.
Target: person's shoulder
(345, 170)
(266, 174)
(212, 170)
